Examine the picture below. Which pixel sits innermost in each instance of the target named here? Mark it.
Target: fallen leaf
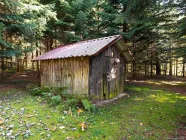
(9, 133)
(46, 128)
(79, 111)
(68, 138)
(31, 124)
(53, 129)
(11, 137)
(42, 133)
(61, 127)
(29, 116)
(48, 135)
(73, 129)
(11, 126)
(1, 122)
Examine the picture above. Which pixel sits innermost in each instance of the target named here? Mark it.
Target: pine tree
(21, 23)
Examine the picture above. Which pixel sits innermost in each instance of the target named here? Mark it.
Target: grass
(146, 114)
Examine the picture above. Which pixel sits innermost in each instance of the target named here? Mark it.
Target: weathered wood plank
(106, 76)
(71, 72)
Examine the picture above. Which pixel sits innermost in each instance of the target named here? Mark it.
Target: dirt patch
(182, 131)
(18, 80)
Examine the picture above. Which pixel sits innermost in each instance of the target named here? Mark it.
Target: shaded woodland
(153, 30)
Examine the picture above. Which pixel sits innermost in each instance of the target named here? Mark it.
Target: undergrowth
(56, 96)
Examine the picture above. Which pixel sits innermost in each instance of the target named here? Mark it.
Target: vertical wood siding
(71, 72)
(106, 75)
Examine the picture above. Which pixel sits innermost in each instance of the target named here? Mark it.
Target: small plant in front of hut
(71, 102)
(62, 91)
(52, 95)
(35, 90)
(55, 100)
(87, 105)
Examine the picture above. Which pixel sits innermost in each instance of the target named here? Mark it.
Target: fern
(87, 105)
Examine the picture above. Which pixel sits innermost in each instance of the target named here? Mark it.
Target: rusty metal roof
(82, 48)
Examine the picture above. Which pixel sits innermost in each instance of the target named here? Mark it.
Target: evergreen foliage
(20, 22)
(147, 26)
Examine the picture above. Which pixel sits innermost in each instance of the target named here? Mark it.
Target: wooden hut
(95, 68)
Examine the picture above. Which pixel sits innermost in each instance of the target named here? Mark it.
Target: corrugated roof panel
(83, 48)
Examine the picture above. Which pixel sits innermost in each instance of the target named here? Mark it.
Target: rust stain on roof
(82, 48)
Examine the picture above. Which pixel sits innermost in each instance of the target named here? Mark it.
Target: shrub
(71, 102)
(63, 92)
(54, 96)
(36, 91)
(55, 100)
(30, 87)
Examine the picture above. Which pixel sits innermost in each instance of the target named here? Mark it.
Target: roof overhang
(124, 50)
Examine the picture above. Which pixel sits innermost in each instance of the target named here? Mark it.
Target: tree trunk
(125, 25)
(2, 64)
(183, 69)
(0, 71)
(2, 61)
(20, 65)
(145, 69)
(25, 60)
(37, 62)
(11, 62)
(51, 42)
(166, 69)
(170, 60)
(133, 70)
(32, 58)
(170, 68)
(176, 67)
(17, 64)
(151, 67)
(158, 67)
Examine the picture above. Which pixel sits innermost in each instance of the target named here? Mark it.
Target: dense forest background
(153, 30)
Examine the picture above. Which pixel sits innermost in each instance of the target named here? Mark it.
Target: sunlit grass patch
(173, 83)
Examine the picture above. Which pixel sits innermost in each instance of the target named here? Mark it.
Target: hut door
(109, 78)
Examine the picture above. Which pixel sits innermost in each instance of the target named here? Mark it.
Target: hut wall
(70, 72)
(106, 74)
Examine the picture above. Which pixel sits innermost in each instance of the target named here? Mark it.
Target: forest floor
(155, 109)
(170, 84)
(18, 80)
